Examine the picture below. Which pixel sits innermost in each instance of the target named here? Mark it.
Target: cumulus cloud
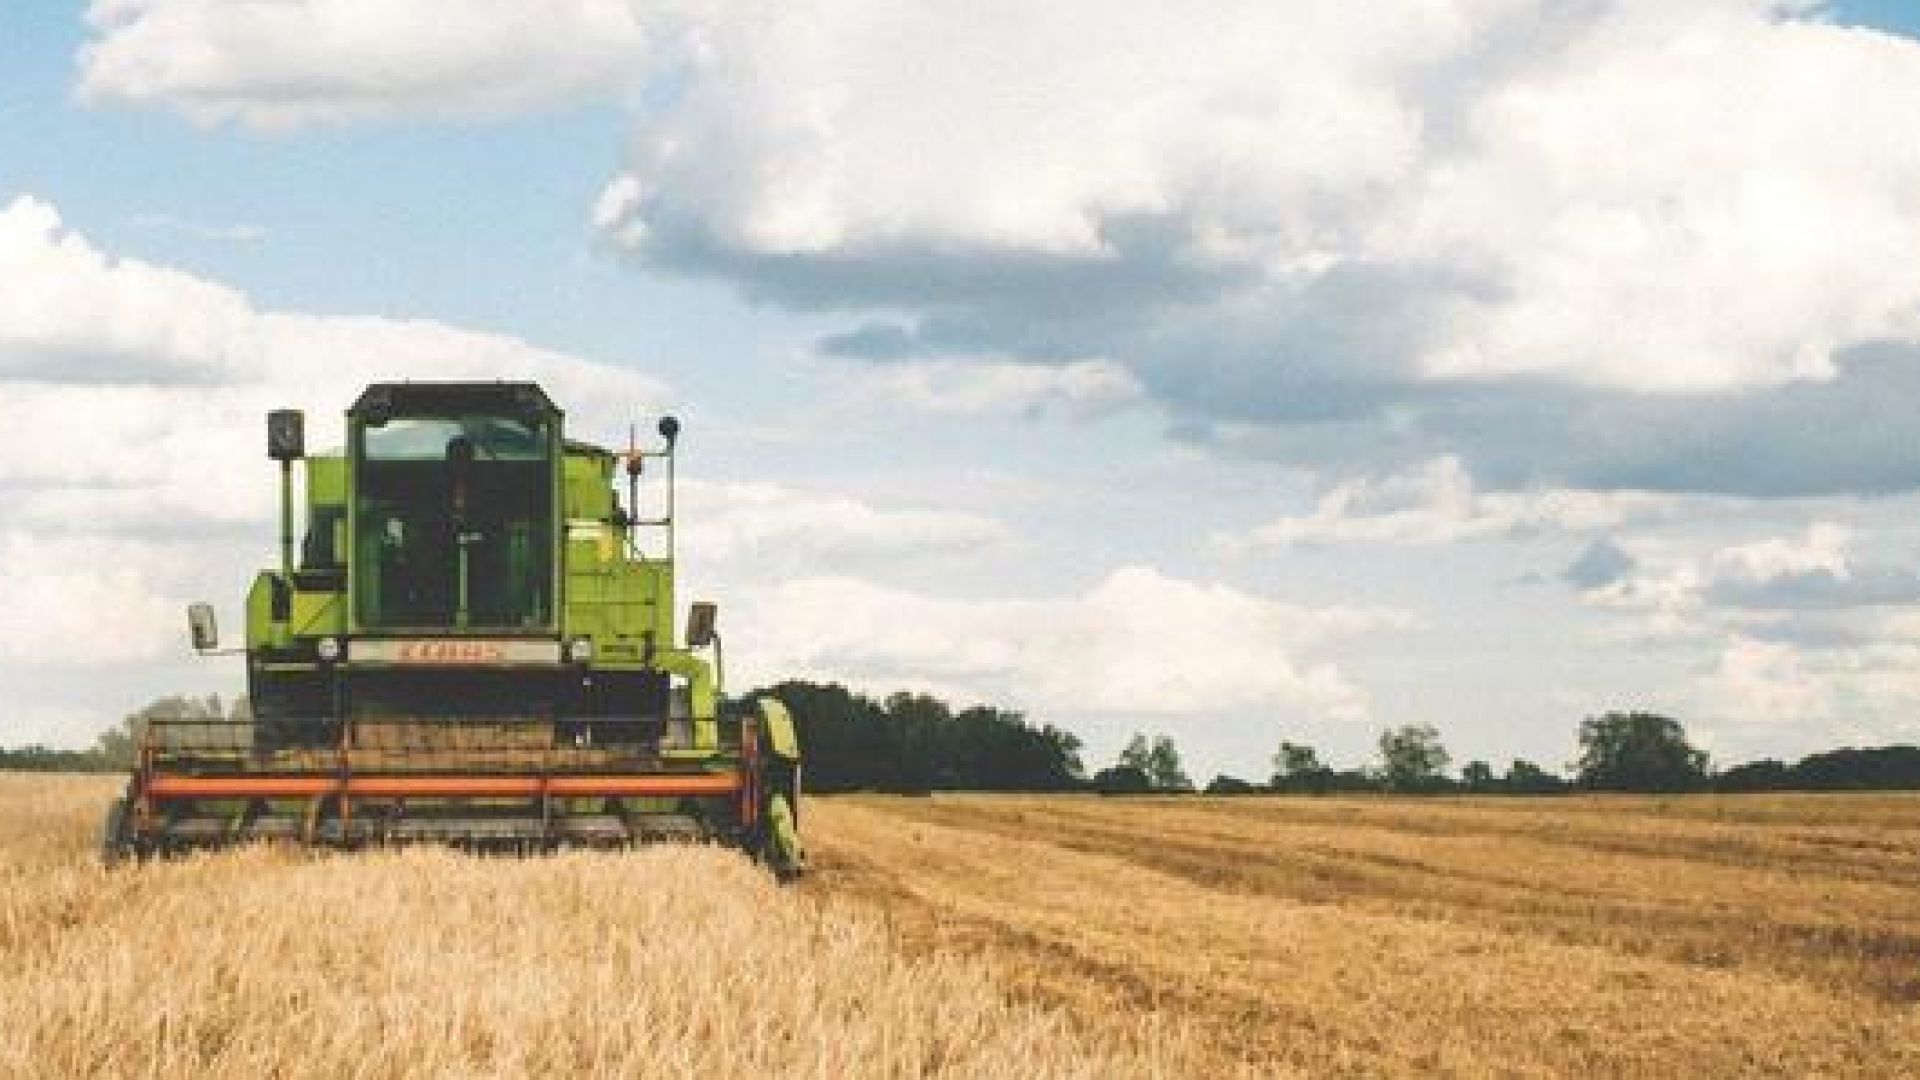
(1509, 231)
(1843, 583)
(284, 65)
(137, 391)
(1786, 699)
(1506, 231)
(1438, 503)
(1139, 642)
(1823, 551)
(1768, 682)
(87, 599)
(1797, 642)
(1457, 164)
(1819, 570)
(762, 531)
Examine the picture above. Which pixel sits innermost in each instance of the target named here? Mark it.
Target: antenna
(670, 432)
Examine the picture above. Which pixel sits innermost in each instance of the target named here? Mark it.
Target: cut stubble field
(998, 936)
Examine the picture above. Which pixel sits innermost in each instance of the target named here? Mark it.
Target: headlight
(329, 649)
(580, 650)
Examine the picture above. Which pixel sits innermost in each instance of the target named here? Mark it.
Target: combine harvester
(473, 648)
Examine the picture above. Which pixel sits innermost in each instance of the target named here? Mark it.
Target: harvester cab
(472, 642)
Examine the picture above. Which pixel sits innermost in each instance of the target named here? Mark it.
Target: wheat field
(998, 936)
(665, 962)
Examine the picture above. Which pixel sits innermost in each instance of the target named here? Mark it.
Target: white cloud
(1033, 127)
(87, 600)
(1139, 642)
(1823, 550)
(136, 392)
(1795, 643)
(1767, 682)
(762, 531)
(1633, 194)
(1778, 698)
(1775, 574)
(1693, 197)
(1628, 194)
(284, 65)
(1081, 389)
(1438, 503)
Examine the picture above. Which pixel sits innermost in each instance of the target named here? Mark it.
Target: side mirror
(206, 632)
(286, 435)
(700, 620)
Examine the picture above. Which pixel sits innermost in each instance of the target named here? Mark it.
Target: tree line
(1617, 751)
(113, 749)
(910, 743)
(915, 743)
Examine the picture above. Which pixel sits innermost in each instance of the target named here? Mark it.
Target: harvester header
(469, 638)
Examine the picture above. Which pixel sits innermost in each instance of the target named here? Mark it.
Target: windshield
(454, 524)
(427, 438)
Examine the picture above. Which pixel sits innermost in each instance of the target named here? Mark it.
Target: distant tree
(1880, 768)
(1639, 751)
(914, 743)
(1230, 785)
(1158, 760)
(1121, 780)
(1884, 768)
(1298, 768)
(1164, 768)
(1412, 759)
(1477, 776)
(1526, 778)
(1295, 759)
(1766, 774)
(38, 757)
(919, 722)
(1351, 780)
(118, 745)
(1061, 751)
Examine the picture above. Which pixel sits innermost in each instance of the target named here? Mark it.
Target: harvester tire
(114, 846)
(782, 850)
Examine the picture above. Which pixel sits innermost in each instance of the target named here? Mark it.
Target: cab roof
(453, 398)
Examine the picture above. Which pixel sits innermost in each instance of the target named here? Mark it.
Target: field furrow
(1320, 947)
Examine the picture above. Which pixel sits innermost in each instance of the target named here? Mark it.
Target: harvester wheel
(114, 846)
(782, 846)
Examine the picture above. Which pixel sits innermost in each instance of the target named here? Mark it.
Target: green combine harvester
(472, 645)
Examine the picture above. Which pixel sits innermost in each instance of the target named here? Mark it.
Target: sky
(1275, 372)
